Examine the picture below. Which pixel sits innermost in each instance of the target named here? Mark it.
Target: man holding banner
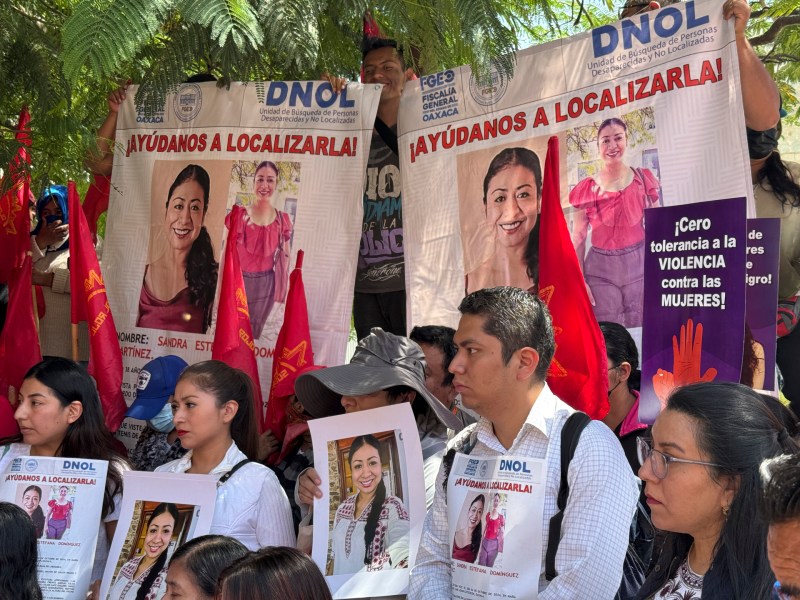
(505, 345)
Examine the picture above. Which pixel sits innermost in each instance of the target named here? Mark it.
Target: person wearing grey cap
(385, 369)
(158, 443)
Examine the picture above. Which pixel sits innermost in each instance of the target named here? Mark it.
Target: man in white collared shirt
(505, 345)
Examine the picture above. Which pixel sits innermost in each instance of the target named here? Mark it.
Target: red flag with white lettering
(578, 373)
(233, 336)
(90, 304)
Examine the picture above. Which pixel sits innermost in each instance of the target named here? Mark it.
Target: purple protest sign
(694, 298)
(763, 254)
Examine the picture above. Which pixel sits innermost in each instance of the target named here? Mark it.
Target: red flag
(19, 341)
(14, 219)
(293, 352)
(96, 201)
(578, 373)
(233, 337)
(90, 304)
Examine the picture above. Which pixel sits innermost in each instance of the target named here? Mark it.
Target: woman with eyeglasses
(702, 483)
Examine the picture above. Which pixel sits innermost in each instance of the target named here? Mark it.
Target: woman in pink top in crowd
(178, 288)
(492, 543)
(612, 204)
(263, 235)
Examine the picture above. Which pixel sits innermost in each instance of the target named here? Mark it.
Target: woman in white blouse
(370, 530)
(214, 415)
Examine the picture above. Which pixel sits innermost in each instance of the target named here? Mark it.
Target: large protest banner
(669, 82)
(64, 499)
(695, 292)
(293, 146)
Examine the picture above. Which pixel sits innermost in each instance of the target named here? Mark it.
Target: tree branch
(777, 25)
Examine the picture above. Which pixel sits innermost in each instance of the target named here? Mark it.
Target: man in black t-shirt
(380, 299)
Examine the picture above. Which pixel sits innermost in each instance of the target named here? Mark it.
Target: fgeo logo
(187, 102)
(489, 90)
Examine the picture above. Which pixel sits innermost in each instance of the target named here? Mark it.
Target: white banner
(360, 457)
(64, 498)
(294, 155)
(159, 513)
(472, 156)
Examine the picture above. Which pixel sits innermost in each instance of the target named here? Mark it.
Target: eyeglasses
(659, 462)
(779, 594)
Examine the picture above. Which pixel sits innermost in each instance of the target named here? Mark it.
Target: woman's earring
(726, 510)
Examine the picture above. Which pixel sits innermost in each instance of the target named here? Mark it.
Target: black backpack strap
(387, 134)
(230, 473)
(570, 435)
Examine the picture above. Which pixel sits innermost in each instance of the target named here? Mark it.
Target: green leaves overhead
(103, 35)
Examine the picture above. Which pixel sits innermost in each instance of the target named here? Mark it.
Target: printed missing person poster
(494, 508)
(293, 154)
(64, 499)
(763, 265)
(695, 291)
(370, 464)
(648, 113)
(160, 512)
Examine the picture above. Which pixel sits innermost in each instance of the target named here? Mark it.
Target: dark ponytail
(226, 383)
(161, 561)
(777, 175)
(377, 501)
(201, 275)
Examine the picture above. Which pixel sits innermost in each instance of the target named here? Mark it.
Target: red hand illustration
(686, 355)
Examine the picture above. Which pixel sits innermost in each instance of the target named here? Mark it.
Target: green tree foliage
(62, 57)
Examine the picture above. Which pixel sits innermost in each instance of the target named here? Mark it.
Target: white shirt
(594, 533)
(251, 506)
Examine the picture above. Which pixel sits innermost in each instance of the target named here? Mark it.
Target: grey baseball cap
(381, 360)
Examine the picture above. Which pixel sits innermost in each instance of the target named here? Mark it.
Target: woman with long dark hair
(776, 187)
(195, 566)
(284, 573)
(467, 540)
(18, 555)
(144, 577)
(702, 483)
(263, 235)
(512, 188)
(31, 504)
(214, 414)
(612, 205)
(59, 414)
(370, 530)
(178, 288)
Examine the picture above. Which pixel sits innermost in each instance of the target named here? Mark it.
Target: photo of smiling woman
(511, 191)
(178, 289)
(467, 541)
(263, 244)
(31, 504)
(611, 205)
(371, 528)
(59, 514)
(144, 576)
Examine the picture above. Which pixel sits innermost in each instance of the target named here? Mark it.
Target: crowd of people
(717, 474)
